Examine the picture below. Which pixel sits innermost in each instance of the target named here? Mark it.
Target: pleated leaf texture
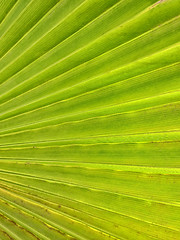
(89, 120)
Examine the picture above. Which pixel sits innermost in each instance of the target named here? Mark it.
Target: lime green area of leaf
(89, 120)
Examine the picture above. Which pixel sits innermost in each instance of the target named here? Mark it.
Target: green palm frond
(89, 120)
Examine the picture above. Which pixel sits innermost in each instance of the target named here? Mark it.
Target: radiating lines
(89, 120)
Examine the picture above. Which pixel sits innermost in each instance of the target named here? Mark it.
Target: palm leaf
(89, 123)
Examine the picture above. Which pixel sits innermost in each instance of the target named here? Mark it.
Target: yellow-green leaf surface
(89, 120)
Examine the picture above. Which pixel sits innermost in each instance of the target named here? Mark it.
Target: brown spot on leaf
(158, 2)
